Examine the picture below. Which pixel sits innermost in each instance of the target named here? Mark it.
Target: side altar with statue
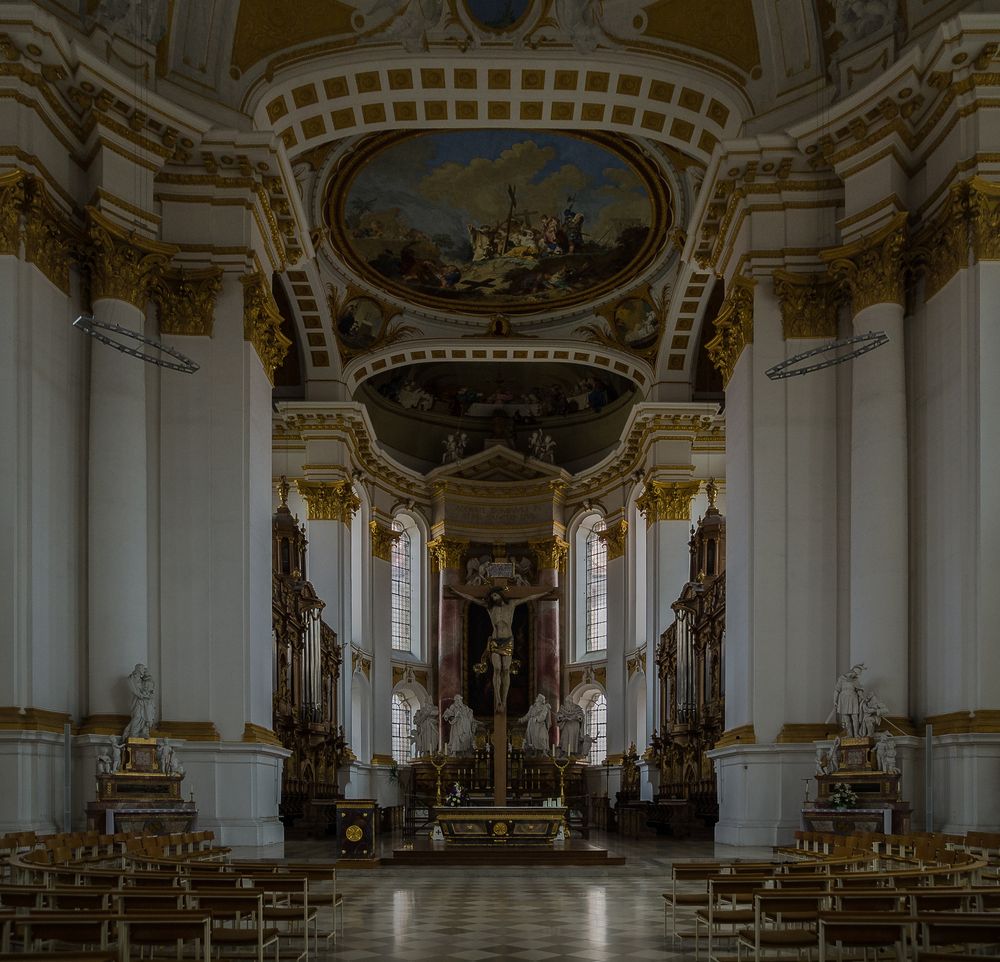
(139, 777)
(858, 777)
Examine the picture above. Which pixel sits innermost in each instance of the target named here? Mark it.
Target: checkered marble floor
(498, 914)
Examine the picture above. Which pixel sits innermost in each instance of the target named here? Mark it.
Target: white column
(615, 537)
(381, 537)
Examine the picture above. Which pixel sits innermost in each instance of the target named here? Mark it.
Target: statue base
(140, 798)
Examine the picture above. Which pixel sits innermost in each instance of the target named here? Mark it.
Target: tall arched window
(597, 728)
(596, 589)
(402, 636)
(402, 723)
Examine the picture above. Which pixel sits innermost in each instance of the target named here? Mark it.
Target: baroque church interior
(540, 433)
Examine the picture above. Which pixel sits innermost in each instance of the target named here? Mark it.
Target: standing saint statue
(500, 645)
(461, 718)
(140, 682)
(847, 697)
(570, 718)
(536, 738)
(425, 724)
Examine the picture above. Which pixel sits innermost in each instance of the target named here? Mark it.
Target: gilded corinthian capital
(550, 553)
(329, 500)
(446, 553)
(667, 500)
(870, 270)
(185, 301)
(382, 538)
(12, 196)
(123, 266)
(809, 304)
(615, 536)
(734, 327)
(262, 323)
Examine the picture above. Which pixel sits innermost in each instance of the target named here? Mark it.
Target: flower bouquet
(842, 796)
(456, 796)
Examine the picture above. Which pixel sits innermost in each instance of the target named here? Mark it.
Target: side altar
(857, 778)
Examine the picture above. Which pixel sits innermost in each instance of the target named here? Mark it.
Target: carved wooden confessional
(689, 659)
(306, 669)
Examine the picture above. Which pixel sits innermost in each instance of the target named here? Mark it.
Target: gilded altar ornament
(185, 300)
(262, 323)
(329, 500)
(615, 536)
(734, 327)
(123, 266)
(871, 270)
(382, 539)
(667, 500)
(353, 833)
(809, 304)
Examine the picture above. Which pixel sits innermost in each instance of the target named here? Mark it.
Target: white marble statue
(872, 713)
(822, 761)
(460, 716)
(103, 764)
(847, 701)
(477, 570)
(426, 729)
(140, 682)
(570, 718)
(541, 446)
(833, 759)
(858, 20)
(538, 717)
(454, 447)
(885, 753)
(116, 747)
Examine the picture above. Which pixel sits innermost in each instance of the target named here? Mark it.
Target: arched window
(596, 589)
(597, 728)
(402, 636)
(402, 723)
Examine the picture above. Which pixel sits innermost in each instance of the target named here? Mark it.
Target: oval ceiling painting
(481, 221)
(500, 15)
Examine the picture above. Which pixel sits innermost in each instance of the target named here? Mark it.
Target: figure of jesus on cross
(499, 604)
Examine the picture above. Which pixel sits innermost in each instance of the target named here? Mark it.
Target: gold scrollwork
(185, 300)
(871, 270)
(667, 500)
(615, 536)
(262, 323)
(123, 266)
(48, 236)
(550, 553)
(12, 199)
(447, 553)
(734, 327)
(984, 202)
(809, 304)
(382, 539)
(329, 500)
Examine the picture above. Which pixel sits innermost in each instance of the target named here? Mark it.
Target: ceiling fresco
(486, 221)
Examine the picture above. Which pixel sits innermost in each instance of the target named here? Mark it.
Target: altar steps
(573, 854)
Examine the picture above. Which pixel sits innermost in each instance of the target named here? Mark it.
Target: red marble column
(446, 556)
(551, 557)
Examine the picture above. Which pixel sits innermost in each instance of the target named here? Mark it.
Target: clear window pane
(597, 728)
(597, 590)
(401, 634)
(401, 724)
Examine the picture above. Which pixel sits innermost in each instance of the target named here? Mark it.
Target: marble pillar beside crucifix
(500, 602)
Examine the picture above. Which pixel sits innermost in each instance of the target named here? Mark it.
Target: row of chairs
(919, 846)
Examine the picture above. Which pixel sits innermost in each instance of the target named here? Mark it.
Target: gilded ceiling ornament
(734, 327)
(615, 536)
(809, 304)
(361, 322)
(447, 553)
(941, 247)
(984, 202)
(329, 500)
(667, 500)
(262, 323)
(550, 553)
(871, 269)
(12, 198)
(123, 266)
(185, 300)
(382, 538)
(48, 237)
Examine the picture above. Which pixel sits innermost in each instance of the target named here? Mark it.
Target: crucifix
(499, 600)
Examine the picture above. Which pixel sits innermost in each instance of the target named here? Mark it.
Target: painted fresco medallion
(499, 15)
(480, 221)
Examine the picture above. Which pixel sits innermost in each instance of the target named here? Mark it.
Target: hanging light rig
(116, 336)
(855, 346)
